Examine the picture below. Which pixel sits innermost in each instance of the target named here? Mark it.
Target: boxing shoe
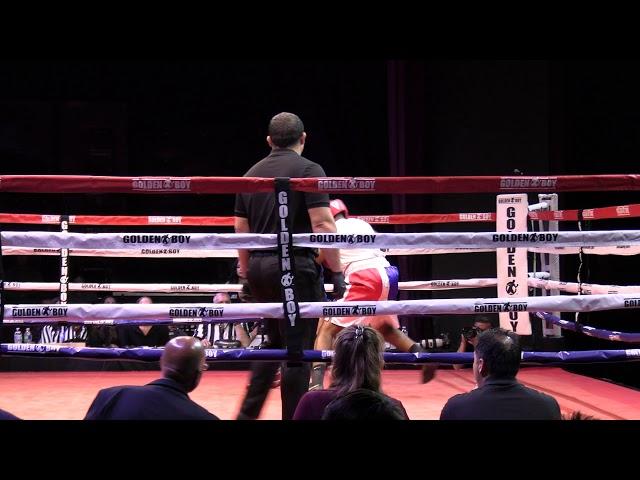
(428, 372)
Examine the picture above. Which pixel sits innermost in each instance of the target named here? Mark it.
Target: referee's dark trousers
(263, 275)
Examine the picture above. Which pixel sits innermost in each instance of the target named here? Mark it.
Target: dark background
(363, 118)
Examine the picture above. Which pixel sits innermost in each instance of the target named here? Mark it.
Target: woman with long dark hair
(357, 364)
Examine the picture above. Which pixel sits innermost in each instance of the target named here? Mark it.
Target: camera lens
(469, 332)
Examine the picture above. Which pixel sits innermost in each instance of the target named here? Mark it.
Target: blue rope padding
(590, 331)
(214, 355)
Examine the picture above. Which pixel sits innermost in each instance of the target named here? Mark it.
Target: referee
(308, 212)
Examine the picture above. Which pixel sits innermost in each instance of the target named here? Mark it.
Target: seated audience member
(210, 333)
(228, 335)
(363, 404)
(245, 295)
(499, 396)
(182, 364)
(357, 363)
(57, 333)
(469, 337)
(102, 335)
(143, 335)
(4, 415)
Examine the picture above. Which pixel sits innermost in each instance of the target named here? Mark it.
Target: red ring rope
(221, 185)
(620, 211)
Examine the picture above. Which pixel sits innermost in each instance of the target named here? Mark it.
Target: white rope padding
(536, 280)
(217, 253)
(583, 288)
(396, 252)
(222, 312)
(453, 284)
(132, 252)
(126, 287)
(490, 240)
(202, 253)
(228, 287)
(136, 241)
(224, 287)
(587, 288)
(621, 249)
(194, 241)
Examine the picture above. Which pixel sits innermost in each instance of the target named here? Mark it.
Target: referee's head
(286, 130)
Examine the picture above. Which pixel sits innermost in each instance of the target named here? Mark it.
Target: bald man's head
(221, 297)
(183, 360)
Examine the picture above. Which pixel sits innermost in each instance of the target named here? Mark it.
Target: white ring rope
(192, 241)
(156, 252)
(452, 284)
(207, 253)
(178, 288)
(583, 288)
(621, 249)
(217, 253)
(222, 312)
(624, 250)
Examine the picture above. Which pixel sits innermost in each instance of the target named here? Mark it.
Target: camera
(432, 343)
(470, 332)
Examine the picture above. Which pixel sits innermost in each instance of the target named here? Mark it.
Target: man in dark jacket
(499, 396)
(4, 415)
(182, 364)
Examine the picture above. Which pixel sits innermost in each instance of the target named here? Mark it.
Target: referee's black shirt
(260, 209)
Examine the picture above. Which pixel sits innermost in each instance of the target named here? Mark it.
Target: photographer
(469, 336)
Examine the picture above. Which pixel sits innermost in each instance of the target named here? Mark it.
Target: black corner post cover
(294, 331)
(64, 263)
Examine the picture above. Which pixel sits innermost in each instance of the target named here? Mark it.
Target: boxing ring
(221, 391)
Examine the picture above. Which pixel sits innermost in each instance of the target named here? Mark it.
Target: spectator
(363, 404)
(103, 335)
(469, 337)
(57, 333)
(143, 335)
(499, 396)
(357, 364)
(182, 363)
(210, 333)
